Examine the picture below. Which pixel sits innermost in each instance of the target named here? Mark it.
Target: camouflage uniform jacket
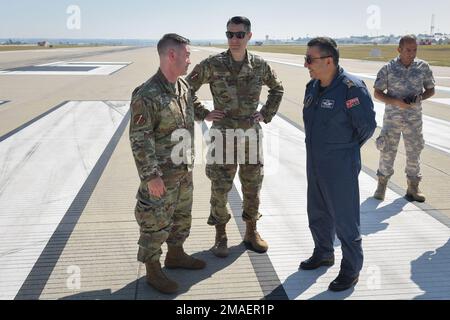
(402, 82)
(238, 93)
(158, 109)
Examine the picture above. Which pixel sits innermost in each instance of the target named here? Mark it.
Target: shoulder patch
(307, 101)
(352, 103)
(139, 120)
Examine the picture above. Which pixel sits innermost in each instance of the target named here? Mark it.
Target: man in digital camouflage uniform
(404, 78)
(161, 108)
(236, 78)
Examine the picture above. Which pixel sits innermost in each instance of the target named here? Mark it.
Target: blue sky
(206, 19)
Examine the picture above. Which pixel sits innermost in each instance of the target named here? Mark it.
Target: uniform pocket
(380, 143)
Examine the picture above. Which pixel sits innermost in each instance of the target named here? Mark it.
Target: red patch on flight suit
(139, 120)
(352, 103)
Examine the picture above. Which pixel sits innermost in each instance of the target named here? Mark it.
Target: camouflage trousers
(251, 175)
(407, 123)
(222, 176)
(165, 220)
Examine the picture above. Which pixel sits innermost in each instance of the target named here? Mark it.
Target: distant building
(437, 38)
(43, 44)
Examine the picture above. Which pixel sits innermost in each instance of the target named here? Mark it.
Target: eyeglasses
(239, 34)
(309, 59)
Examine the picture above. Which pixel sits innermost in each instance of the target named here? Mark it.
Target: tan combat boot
(381, 188)
(413, 193)
(158, 280)
(177, 258)
(220, 248)
(252, 238)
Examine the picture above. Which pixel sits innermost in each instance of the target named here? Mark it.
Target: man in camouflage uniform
(235, 78)
(161, 111)
(404, 78)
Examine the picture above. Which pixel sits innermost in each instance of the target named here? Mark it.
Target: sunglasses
(309, 59)
(239, 34)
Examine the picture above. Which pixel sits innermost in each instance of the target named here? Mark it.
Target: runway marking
(441, 101)
(406, 250)
(436, 132)
(42, 168)
(288, 63)
(68, 68)
(66, 143)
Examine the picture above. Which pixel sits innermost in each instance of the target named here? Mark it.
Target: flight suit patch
(308, 101)
(327, 104)
(352, 103)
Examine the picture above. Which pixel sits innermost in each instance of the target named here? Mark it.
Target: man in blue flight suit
(339, 118)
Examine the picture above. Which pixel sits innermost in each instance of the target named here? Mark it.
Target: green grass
(436, 55)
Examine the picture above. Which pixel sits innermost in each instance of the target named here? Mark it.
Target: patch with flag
(139, 120)
(352, 103)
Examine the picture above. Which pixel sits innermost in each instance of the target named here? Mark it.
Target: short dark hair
(327, 47)
(407, 39)
(241, 20)
(171, 40)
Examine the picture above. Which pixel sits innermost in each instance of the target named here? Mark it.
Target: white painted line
(99, 68)
(436, 132)
(441, 88)
(364, 75)
(288, 63)
(406, 251)
(50, 64)
(96, 62)
(441, 100)
(42, 168)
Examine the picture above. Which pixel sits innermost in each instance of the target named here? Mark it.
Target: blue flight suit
(338, 121)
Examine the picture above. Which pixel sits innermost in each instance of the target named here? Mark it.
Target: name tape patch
(327, 104)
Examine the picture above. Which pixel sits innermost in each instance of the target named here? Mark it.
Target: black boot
(315, 262)
(343, 282)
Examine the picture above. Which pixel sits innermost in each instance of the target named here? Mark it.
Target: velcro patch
(352, 103)
(327, 104)
(139, 120)
(194, 76)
